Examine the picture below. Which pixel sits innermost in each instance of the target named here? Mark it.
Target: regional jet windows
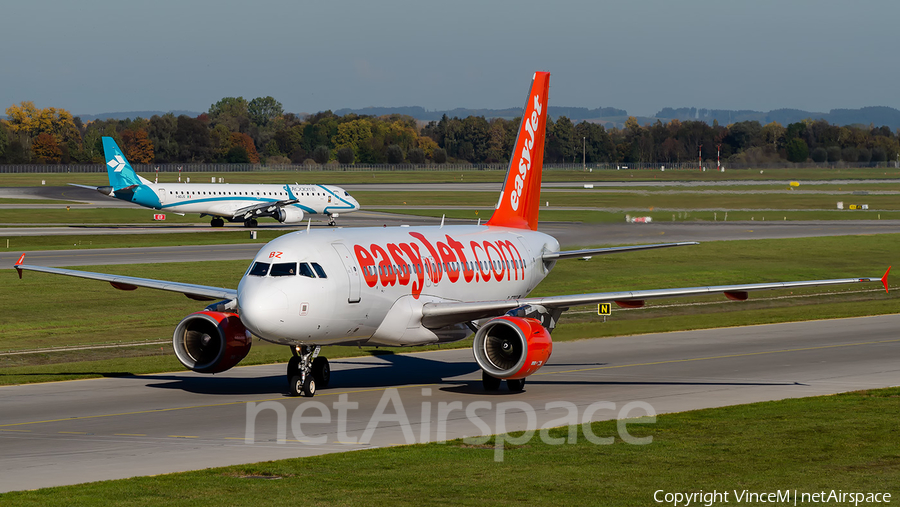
(284, 269)
(306, 271)
(259, 269)
(319, 270)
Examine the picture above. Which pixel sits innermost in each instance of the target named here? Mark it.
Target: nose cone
(263, 309)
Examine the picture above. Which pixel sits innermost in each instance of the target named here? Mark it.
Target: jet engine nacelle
(211, 342)
(512, 347)
(290, 215)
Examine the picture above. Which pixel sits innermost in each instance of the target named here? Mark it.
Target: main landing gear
(251, 223)
(307, 371)
(216, 222)
(492, 383)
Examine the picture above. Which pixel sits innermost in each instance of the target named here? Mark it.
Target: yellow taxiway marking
(19, 431)
(277, 441)
(375, 389)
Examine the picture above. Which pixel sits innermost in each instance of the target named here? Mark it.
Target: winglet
(884, 279)
(22, 259)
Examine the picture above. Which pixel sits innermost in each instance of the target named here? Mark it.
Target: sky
(96, 56)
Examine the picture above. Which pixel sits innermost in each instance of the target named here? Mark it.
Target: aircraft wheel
(490, 382)
(251, 223)
(217, 222)
(293, 367)
(295, 387)
(321, 371)
(309, 387)
(516, 385)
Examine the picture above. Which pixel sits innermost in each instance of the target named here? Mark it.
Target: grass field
(595, 216)
(50, 311)
(775, 204)
(844, 442)
(215, 237)
(639, 201)
(342, 177)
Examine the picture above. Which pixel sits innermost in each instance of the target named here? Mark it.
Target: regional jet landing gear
(307, 371)
(251, 223)
(331, 221)
(217, 222)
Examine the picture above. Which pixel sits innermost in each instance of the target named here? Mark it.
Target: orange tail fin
(521, 195)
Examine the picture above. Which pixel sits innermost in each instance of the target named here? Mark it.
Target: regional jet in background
(232, 202)
(402, 286)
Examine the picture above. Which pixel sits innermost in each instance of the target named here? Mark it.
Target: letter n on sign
(604, 309)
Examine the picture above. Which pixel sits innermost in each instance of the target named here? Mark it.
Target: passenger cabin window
(319, 270)
(284, 269)
(259, 269)
(305, 270)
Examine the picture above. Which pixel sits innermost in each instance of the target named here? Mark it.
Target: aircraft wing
(266, 206)
(568, 254)
(435, 315)
(197, 292)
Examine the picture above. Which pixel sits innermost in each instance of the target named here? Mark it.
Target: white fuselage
(225, 199)
(376, 281)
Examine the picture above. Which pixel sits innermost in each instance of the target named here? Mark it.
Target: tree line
(235, 130)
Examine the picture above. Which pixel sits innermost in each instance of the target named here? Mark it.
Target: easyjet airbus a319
(402, 286)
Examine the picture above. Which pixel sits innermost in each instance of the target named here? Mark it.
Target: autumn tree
(45, 148)
(246, 143)
(138, 147)
(29, 120)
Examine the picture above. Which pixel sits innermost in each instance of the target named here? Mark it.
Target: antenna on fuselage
(442, 220)
(308, 223)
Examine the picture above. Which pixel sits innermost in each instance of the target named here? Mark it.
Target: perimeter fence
(299, 168)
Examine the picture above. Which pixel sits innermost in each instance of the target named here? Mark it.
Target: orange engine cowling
(211, 342)
(512, 347)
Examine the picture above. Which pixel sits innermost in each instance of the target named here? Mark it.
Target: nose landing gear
(307, 371)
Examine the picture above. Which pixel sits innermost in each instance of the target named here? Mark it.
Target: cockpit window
(305, 270)
(259, 269)
(319, 270)
(284, 269)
